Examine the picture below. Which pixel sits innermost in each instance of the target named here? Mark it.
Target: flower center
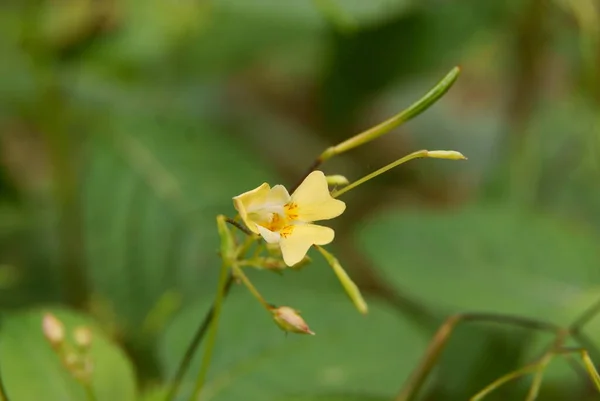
(281, 223)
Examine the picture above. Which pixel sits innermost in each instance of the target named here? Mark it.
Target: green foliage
(489, 258)
(150, 214)
(32, 371)
(171, 108)
(350, 353)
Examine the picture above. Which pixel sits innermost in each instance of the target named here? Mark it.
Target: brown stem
(238, 226)
(312, 168)
(414, 383)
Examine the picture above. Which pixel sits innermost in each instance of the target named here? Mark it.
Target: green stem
(415, 155)
(383, 128)
(212, 333)
(239, 273)
(193, 346)
(505, 379)
(410, 390)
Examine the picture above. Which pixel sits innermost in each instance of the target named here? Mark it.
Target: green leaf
(487, 258)
(490, 259)
(32, 371)
(350, 353)
(153, 188)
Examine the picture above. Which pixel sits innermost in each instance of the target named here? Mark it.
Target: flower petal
(314, 201)
(248, 201)
(302, 237)
(270, 236)
(276, 198)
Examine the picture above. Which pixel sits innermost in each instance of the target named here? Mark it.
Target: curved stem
(193, 346)
(414, 383)
(414, 155)
(239, 273)
(212, 333)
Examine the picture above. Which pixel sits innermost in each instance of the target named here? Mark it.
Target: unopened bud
(290, 321)
(446, 154)
(53, 330)
(349, 286)
(337, 180)
(83, 337)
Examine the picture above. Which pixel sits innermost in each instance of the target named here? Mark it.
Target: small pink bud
(53, 330)
(290, 321)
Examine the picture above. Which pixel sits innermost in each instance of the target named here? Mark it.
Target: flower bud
(53, 330)
(349, 286)
(445, 154)
(83, 337)
(338, 180)
(290, 321)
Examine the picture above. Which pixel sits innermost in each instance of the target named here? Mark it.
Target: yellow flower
(286, 220)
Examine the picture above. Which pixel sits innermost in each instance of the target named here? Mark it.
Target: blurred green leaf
(153, 188)
(494, 259)
(401, 48)
(32, 371)
(486, 258)
(465, 367)
(350, 353)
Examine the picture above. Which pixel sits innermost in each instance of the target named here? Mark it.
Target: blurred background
(126, 126)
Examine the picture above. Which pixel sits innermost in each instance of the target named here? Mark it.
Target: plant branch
(239, 274)
(194, 344)
(238, 226)
(212, 331)
(414, 383)
(375, 132)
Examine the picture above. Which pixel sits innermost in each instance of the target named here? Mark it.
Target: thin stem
(585, 317)
(239, 273)
(414, 383)
(589, 365)
(203, 327)
(193, 346)
(89, 392)
(537, 367)
(383, 128)
(238, 226)
(212, 333)
(312, 168)
(536, 384)
(415, 155)
(505, 379)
